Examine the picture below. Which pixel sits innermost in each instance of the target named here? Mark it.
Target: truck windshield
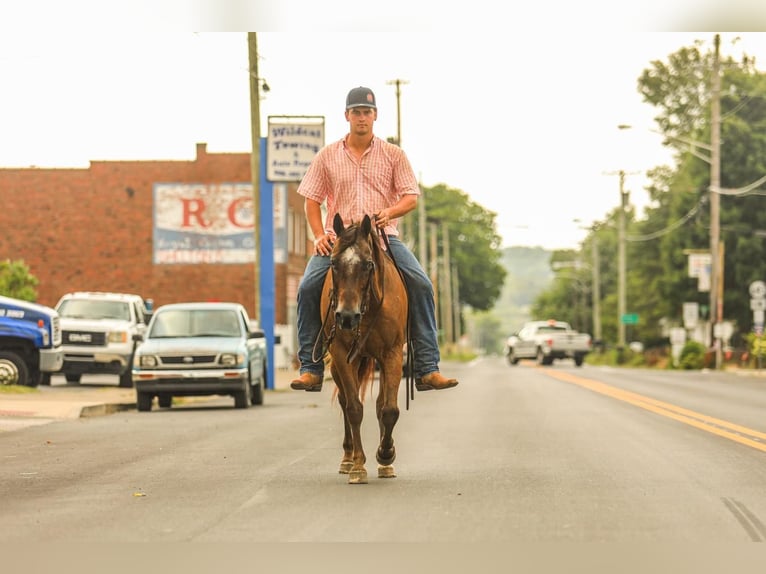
(90, 309)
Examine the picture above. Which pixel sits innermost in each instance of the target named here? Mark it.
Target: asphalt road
(512, 455)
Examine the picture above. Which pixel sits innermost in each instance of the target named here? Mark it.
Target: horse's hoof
(345, 467)
(357, 477)
(386, 471)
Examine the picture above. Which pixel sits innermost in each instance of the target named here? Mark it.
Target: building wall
(92, 229)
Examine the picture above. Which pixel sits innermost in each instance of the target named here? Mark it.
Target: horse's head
(352, 266)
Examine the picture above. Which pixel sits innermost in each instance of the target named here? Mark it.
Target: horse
(366, 321)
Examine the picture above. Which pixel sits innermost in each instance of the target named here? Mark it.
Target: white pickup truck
(545, 341)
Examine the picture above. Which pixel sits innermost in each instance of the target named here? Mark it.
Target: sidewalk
(71, 401)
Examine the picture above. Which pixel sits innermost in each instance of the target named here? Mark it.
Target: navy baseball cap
(360, 98)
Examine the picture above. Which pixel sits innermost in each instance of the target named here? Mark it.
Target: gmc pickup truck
(30, 342)
(545, 341)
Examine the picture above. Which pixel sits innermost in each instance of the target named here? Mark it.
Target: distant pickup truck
(545, 341)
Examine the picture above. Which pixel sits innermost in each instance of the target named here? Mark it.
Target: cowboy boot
(307, 382)
(434, 381)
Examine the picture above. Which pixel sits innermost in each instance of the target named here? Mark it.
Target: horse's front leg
(347, 461)
(388, 414)
(348, 396)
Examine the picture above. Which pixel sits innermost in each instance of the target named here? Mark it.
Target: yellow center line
(725, 429)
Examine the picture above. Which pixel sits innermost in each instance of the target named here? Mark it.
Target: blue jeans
(426, 356)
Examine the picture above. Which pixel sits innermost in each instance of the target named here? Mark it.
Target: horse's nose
(347, 319)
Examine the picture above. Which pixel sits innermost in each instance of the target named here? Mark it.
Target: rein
(358, 344)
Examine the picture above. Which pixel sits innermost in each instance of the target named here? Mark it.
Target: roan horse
(366, 321)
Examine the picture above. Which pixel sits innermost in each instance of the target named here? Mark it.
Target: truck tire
(242, 397)
(512, 358)
(72, 377)
(256, 391)
(579, 360)
(45, 379)
(13, 369)
(126, 379)
(144, 401)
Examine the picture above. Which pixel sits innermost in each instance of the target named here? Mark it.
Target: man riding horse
(359, 175)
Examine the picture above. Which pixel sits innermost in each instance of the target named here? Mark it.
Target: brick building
(103, 229)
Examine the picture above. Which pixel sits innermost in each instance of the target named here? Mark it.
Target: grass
(16, 390)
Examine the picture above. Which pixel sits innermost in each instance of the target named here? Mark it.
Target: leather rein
(358, 344)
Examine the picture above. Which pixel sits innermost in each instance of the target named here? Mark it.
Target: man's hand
(323, 245)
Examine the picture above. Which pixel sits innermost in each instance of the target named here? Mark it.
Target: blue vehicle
(195, 349)
(30, 342)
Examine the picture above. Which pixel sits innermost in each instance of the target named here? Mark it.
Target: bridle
(323, 341)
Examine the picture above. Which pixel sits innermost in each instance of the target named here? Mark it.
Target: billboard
(212, 223)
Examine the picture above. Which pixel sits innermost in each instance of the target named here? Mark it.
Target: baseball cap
(360, 97)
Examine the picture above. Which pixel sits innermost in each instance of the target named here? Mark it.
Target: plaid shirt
(355, 187)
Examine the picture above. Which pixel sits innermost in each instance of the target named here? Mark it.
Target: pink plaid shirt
(354, 187)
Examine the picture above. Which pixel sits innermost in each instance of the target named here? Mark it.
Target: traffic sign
(630, 319)
(757, 289)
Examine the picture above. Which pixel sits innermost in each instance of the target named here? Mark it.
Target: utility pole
(398, 83)
(716, 262)
(596, 290)
(255, 165)
(447, 289)
(621, 272)
(405, 224)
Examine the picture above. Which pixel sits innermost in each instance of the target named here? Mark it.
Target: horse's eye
(369, 265)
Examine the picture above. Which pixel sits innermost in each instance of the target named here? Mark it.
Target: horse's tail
(366, 373)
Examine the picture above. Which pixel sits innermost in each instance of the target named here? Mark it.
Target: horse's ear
(366, 225)
(337, 224)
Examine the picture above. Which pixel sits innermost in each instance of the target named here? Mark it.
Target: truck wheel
(144, 401)
(256, 391)
(579, 360)
(165, 401)
(242, 397)
(126, 379)
(13, 369)
(540, 357)
(72, 377)
(512, 358)
(45, 379)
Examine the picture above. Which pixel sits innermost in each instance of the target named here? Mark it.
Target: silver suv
(97, 333)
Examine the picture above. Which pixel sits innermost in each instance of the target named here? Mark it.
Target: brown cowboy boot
(307, 382)
(434, 381)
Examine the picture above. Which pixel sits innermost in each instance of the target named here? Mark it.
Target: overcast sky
(525, 122)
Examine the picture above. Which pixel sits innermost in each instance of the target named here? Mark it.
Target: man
(357, 175)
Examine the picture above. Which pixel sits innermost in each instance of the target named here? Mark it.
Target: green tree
(678, 218)
(16, 281)
(474, 244)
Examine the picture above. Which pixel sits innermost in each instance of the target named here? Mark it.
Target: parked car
(546, 341)
(97, 333)
(198, 349)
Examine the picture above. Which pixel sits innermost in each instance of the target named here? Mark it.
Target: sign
(291, 145)
(691, 314)
(630, 319)
(757, 289)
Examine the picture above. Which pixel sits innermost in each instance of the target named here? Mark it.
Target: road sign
(757, 289)
(630, 319)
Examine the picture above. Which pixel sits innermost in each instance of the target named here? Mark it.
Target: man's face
(361, 119)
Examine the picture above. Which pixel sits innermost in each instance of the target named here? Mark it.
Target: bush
(692, 356)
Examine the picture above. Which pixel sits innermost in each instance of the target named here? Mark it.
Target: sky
(525, 123)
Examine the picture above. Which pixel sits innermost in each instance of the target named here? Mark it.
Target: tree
(474, 244)
(16, 281)
(678, 218)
